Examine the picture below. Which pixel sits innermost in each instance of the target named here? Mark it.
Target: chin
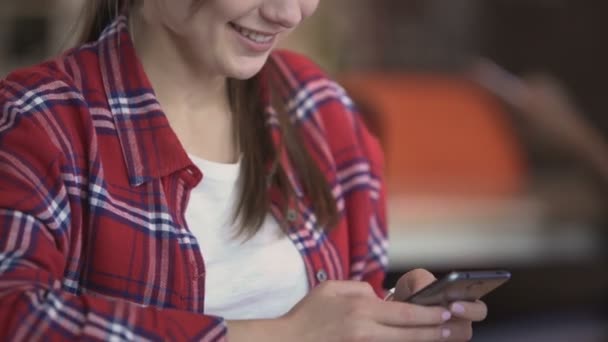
(243, 70)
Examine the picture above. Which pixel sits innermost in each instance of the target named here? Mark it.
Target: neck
(178, 80)
(191, 97)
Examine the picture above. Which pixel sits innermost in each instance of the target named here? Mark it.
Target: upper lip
(256, 31)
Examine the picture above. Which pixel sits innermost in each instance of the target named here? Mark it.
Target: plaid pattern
(94, 184)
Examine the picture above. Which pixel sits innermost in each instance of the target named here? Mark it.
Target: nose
(286, 13)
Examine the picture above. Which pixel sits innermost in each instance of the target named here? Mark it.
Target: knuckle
(436, 317)
(365, 289)
(366, 286)
(421, 315)
(356, 307)
(432, 315)
(407, 313)
(357, 334)
(331, 284)
(327, 286)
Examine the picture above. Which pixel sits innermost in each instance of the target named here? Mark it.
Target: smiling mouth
(254, 36)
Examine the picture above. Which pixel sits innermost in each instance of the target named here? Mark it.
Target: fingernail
(445, 333)
(457, 308)
(446, 315)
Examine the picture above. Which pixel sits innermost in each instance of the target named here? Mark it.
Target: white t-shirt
(263, 277)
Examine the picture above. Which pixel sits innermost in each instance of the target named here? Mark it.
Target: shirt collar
(150, 147)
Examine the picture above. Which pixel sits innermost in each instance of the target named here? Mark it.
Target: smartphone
(459, 286)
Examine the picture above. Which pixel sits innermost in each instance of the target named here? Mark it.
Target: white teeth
(256, 37)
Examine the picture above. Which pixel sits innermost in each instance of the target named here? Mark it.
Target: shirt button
(292, 215)
(321, 275)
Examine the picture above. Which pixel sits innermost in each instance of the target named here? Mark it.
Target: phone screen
(459, 286)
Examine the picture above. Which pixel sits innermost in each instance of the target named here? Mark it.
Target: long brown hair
(252, 136)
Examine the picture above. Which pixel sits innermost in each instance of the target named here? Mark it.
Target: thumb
(412, 282)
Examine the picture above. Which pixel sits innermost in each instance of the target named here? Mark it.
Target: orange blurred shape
(441, 135)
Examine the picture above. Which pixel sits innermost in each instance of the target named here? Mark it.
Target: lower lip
(251, 45)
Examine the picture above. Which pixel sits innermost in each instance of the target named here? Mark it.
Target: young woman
(172, 178)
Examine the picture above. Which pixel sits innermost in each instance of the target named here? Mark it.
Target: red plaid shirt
(94, 184)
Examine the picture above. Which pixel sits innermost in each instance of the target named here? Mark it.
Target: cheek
(308, 7)
(178, 14)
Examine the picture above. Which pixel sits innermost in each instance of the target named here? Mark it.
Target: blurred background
(494, 121)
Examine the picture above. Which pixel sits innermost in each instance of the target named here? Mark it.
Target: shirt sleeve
(36, 244)
(377, 258)
(351, 143)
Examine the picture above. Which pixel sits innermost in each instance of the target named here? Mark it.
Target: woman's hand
(351, 311)
(464, 313)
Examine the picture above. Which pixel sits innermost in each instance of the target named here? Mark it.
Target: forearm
(35, 305)
(268, 330)
(32, 312)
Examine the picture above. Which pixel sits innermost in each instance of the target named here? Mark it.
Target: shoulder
(26, 89)
(37, 104)
(323, 111)
(304, 80)
(311, 95)
(57, 78)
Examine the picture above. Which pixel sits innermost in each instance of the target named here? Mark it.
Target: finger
(412, 282)
(347, 288)
(460, 330)
(419, 334)
(471, 311)
(406, 314)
